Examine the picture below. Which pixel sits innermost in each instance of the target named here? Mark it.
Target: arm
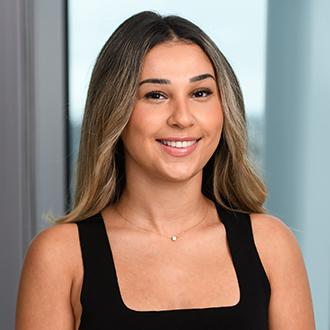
(44, 292)
(291, 303)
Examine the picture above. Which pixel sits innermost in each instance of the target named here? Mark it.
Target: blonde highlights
(228, 177)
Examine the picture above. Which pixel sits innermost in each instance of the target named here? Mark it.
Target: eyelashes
(157, 95)
(204, 92)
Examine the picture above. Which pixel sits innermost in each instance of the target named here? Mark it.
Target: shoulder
(270, 229)
(47, 275)
(291, 302)
(58, 236)
(276, 244)
(54, 246)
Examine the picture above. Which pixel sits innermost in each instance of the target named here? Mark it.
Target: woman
(168, 228)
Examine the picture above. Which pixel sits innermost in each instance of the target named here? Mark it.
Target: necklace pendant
(173, 238)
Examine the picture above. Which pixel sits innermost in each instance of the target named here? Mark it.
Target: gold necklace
(173, 238)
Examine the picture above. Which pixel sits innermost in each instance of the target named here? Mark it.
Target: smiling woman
(168, 227)
(178, 106)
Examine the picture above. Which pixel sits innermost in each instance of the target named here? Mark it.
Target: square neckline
(177, 310)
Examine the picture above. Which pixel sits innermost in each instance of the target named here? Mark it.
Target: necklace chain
(173, 238)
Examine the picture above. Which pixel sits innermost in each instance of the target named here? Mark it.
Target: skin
(163, 196)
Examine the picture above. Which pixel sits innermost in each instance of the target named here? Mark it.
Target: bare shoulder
(275, 242)
(269, 230)
(53, 241)
(264, 224)
(46, 279)
(279, 251)
(53, 254)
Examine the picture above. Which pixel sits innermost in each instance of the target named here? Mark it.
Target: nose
(180, 114)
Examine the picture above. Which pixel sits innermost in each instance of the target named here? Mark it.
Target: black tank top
(103, 307)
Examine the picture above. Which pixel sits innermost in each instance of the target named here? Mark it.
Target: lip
(178, 152)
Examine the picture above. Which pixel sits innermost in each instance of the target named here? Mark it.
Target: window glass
(238, 27)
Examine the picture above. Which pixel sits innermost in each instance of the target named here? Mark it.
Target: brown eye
(155, 95)
(202, 93)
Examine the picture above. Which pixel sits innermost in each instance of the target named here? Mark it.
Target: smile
(178, 148)
(178, 144)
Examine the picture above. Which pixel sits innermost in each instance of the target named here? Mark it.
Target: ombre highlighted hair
(228, 178)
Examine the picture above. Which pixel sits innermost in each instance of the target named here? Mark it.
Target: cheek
(213, 123)
(141, 124)
(218, 125)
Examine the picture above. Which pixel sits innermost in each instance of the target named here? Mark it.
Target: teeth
(178, 144)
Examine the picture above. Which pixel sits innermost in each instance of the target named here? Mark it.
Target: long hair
(228, 177)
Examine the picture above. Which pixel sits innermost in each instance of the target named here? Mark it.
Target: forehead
(176, 59)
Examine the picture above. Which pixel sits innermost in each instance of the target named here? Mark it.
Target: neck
(163, 206)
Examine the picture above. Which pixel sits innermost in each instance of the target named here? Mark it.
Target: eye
(202, 93)
(155, 95)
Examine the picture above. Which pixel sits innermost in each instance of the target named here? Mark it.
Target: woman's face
(177, 118)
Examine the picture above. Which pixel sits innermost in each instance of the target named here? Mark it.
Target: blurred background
(280, 53)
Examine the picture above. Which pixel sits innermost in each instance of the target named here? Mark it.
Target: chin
(180, 176)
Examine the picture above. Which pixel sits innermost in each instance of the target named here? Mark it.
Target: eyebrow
(167, 81)
(201, 77)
